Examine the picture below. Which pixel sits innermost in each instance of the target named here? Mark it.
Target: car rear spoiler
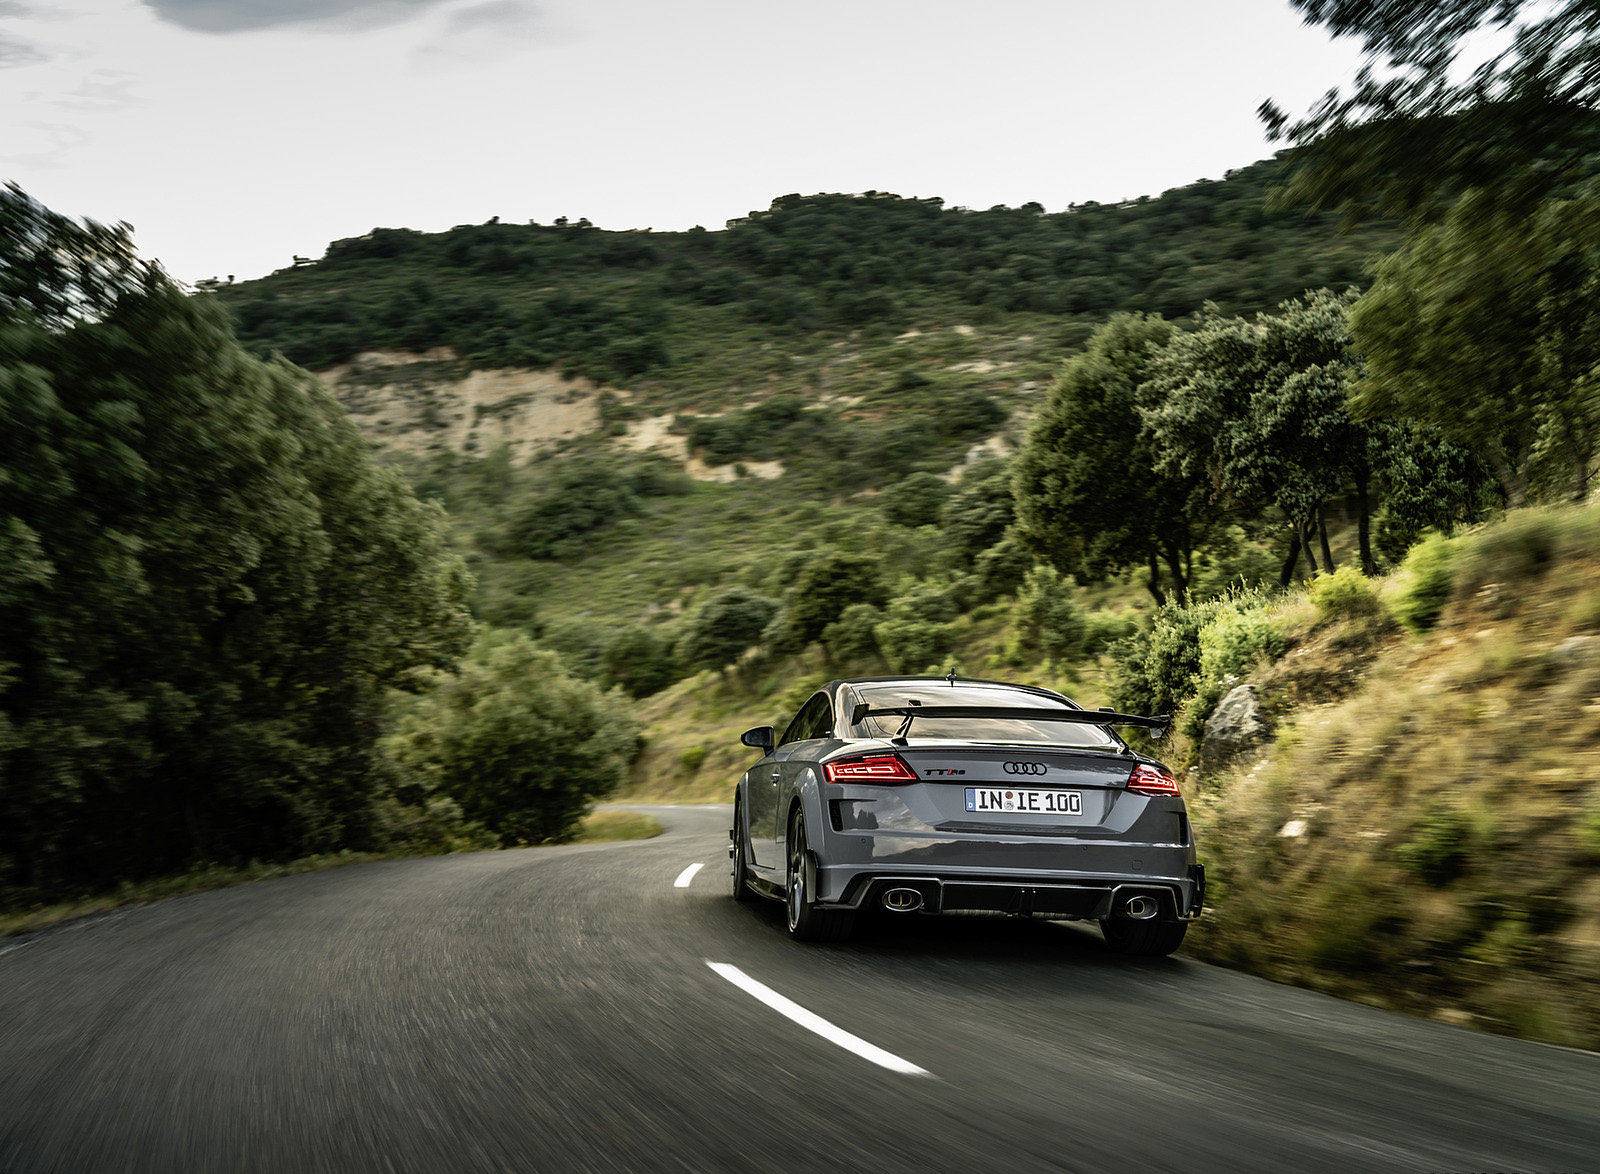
(1158, 726)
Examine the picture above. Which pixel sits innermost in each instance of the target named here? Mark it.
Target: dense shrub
(1048, 620)
(915, 500)
(520, 745)
(1426, 580)
(825, 584)
(583, 496)
(975, 517)
(1155, 669)
(1346, 594)
(851, 638)
(916, 630)
(1103, 629)
(1439, 846)
(1238, 634)
(723, 629)
(1001, 569)
(638, 659)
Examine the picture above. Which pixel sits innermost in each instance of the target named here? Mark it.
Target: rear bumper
(1053, 895)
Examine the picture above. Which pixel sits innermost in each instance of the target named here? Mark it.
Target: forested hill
(659, 307)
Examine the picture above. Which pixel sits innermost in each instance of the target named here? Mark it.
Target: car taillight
(1152, 780)
(880, 768)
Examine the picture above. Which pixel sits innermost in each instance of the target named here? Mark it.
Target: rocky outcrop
(1238, 725)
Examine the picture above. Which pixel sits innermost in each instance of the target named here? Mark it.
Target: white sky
(234, 134)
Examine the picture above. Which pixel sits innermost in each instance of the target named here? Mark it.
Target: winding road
(608, 1007)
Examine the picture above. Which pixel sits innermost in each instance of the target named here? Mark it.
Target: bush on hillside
(729, 624)
(825, 584)
(1047, 619)
(1237, 635)
(638, 659)
(520, 745)
(916, 631)
(1155, 669)
(1346, 594)
(851, 638)
(1427, 578)
(915, 500)
(1001, 569)
(1103, 629)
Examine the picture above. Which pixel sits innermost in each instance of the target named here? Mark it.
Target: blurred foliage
(1346, 594)
(1427, 578)
(206, 584)
(1048, 620)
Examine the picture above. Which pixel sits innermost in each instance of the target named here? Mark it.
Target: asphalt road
(553, 1010)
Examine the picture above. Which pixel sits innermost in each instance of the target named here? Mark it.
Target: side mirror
(763, 738)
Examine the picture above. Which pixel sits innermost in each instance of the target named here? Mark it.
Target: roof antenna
(951, 679)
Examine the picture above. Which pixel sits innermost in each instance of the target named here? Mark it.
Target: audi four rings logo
(1025, 768)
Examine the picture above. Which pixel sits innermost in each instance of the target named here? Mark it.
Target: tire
(807, 922)
(1144, 939)
(741, 874)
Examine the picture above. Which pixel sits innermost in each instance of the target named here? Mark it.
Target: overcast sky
(235, 134)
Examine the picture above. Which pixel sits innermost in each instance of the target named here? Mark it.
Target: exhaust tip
(902, 900)
(1141, 908)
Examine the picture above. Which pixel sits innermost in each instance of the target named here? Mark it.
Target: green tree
(639, 660)
(821, 589)
(1417, 127)
(521, 746)
(207, 588)
(915, 500)
(975, 517)
(1484, 327)
(1048, 617)
(727, 626)
(1089, 494)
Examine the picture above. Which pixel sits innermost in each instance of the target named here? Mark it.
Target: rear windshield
(969, 729)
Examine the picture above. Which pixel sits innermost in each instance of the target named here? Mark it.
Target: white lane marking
(816, 1023)
(686, 876)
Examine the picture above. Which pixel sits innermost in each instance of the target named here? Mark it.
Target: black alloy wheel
(741, 874)
(807, 921)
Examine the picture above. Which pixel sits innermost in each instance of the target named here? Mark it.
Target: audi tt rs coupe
(918, 795)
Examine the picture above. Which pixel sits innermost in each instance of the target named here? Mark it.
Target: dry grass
(603, 826)
(1443, 787)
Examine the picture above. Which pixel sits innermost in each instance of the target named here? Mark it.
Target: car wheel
(1149, 939)
(741, 875)
(807, 922)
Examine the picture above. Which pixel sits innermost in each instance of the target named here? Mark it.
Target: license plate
(1026, 802)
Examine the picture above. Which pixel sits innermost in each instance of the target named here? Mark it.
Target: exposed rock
(1576, 649)
(1235, 726)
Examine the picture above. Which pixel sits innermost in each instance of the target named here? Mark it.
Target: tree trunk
(1180, 583)
(1154, 582)
(1308, 533)
(1512, 478)
(1369, 565)
(1286, 575)
(1322, 536)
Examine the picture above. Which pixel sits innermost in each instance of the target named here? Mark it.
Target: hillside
(1423, 830)
(628, 429)
(703, 318)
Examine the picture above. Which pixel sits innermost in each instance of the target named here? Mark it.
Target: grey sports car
(936, 794)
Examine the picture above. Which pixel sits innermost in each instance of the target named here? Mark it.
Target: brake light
(881, 768)
(1152, 780)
